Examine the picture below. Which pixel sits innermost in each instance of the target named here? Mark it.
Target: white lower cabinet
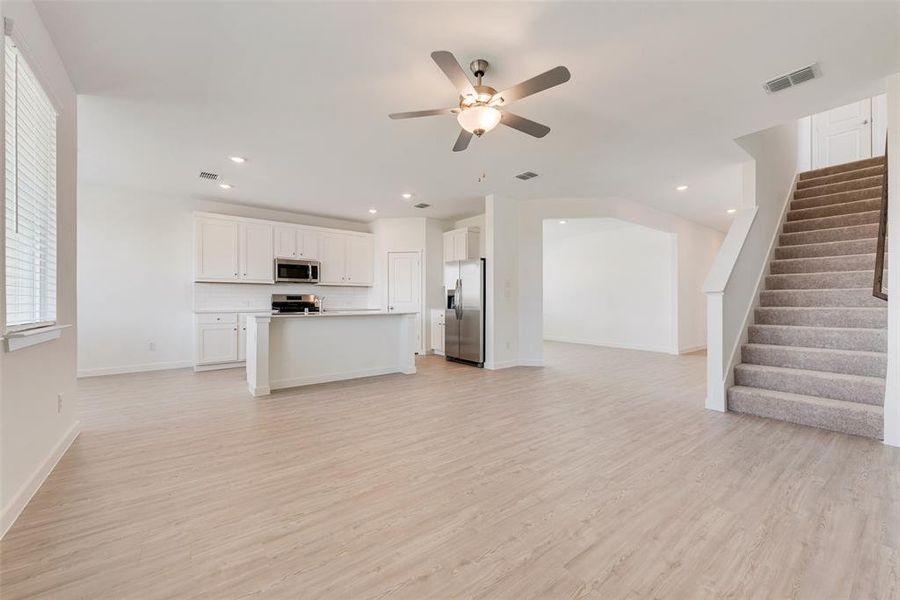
(437, 331)
(221, 339)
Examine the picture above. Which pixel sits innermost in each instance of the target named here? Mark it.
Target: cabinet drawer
(213, 318)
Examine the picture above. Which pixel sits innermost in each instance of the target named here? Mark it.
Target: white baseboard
(564, 340)
(507, 364)
(220, 366)
(692, 349)
(162, 366)
(18, 503)
(340, 376)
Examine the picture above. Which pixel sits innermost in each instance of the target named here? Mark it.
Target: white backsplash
(244, 296)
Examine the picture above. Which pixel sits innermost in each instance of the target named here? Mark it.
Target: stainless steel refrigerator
(464, 311)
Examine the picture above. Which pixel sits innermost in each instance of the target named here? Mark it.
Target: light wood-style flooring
(598, 476)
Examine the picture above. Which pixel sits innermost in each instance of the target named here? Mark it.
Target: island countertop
(340, 313)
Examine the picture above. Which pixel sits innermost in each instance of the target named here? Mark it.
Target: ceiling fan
(481, 107)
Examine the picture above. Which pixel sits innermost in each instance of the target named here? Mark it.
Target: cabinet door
(333, 258)
(286, 242)
(217, 343)
(242, 337)
(461, 245)
(257, 259)
(308, 244)
(448, 247)
(360, 260)
(215, 250)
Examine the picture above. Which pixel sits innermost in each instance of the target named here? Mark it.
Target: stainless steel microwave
(296, 271)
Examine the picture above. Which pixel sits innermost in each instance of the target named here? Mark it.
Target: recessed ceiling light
(731, 211)
(237, 159)
(225, 186)
(373, 210)
(681, 188)
(562, 222)
(406, 196)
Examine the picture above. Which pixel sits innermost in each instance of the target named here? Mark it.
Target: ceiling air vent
(792, 79)
(208, 175)
(421, 205)
(526, 175)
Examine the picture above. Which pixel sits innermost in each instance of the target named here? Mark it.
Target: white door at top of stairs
(849, 133)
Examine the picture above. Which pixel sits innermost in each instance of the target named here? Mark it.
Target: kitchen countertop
(340, 313)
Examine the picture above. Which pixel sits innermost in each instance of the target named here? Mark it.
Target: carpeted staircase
(816, 353)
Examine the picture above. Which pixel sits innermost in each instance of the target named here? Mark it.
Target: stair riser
(853, 166)
(859, 262)
(844, 186)
(829, 235)
(834, 419)
(839, 198)
(862, 218)
(868, 340)
(839, 177)
(816, 360)
(809, 281)
(822, 298)
(845, 248)
(823, 385)
(866, 318)
(832, 210)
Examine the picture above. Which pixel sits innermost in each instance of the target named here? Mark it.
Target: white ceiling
(658, 93)
(557, 229)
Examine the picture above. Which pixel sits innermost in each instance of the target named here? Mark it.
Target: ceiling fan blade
(450, 66)
(423, 113)
(462, 142)
(524, 125)
(536, 84)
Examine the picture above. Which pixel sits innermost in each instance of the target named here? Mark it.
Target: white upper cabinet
(462, 244)
(296, 242)
(346, 259)
(360, 260)
(255, 251)
(215, 250)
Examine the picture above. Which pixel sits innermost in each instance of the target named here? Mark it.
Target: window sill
(17, 340)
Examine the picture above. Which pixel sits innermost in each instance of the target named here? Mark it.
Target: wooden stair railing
(878, 284)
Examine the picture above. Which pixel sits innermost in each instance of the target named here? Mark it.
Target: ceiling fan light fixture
(479, 119)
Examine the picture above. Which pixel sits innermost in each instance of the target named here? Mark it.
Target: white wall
(892, 391)
(610, 283)
(502, 284)
(135, 257)
(33, 435)
(733, 283)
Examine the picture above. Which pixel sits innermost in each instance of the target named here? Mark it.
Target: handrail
(878, 283)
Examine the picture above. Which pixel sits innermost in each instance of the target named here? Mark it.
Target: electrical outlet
(59, 402)
(152, 346)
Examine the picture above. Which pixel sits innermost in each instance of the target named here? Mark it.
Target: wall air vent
(209, 176)
(526, 175)
(421, 205)
(792, 79)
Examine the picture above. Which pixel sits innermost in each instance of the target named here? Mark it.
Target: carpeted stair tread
(850, 297)
(823, 264)
(827, 280)
(822, 316)
(832, 210)
(870, 171)
(845, 417)
(859, 218)
(842, 186)
(839, 248)
(828, 360)
(842, 168)
(837, 386)
(855, 232)
(838, 338)
(838, 198)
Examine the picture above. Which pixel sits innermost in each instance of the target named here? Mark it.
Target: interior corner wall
(34, 431)
(892, 388)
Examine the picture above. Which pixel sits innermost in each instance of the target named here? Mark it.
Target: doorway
(405, 289)
(849, 133)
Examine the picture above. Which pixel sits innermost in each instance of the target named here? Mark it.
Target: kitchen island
(290, 350)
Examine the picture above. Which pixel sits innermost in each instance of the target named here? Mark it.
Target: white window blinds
(30, 197)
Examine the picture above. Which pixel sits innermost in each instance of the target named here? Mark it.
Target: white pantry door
(842, 134)
(405, 288)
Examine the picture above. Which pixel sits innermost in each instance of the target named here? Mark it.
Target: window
(30, 212)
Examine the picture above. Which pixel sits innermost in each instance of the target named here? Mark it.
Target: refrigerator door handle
(457, 299)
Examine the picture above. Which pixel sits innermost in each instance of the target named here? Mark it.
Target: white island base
(291, 350)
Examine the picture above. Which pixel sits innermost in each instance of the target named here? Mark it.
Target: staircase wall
(738, 273)
(892, 390)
